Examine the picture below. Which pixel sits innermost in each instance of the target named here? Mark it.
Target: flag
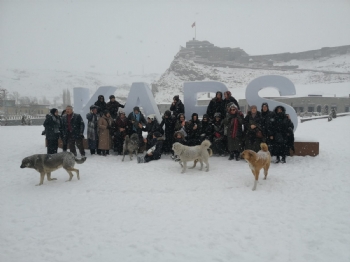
(194, 24)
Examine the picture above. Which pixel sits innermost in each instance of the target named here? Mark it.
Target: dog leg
(256, 179)
(123, 155)
(266, 170)
(70, 175)
(201, 161)
(49, 177)
(194, 164)
(130, 155)
(207, 163)
(184, 167)
(42, 176)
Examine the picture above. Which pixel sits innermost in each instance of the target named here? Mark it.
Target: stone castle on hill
(207, 53)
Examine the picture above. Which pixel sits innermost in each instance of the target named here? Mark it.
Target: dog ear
(250, 154)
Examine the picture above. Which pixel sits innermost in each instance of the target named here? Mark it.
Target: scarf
(92, 128)
(234, 124)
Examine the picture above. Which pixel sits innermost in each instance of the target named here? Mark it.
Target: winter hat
(121, 112)
(136, 108)
(53, 111)
(157, 134)
(205, 116)
(217, 114)
(176, 98)
(232, 105)
(253, 106)
(167, 113)
(100, 97)
(111, 96)
(228, 93)
(93, 107)
(152, 117)
(105, 112)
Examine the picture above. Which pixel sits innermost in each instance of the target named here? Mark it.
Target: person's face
(136, 112)
(194, 118)
(165, 116)
(56, 113)
(225, 95)
(279, 110)
(233, 110)
(217, 119)
(205, 120)
(94, 111)
(101, 98)
(264, 108)
(113, 99)
(122, 115)
(253, 110)
(178, 136)
(149, 120)
(108, 115)
(69, 111)
(182, 118)
(218, 95)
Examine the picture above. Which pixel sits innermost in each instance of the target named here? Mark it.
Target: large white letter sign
(282, 84)
(82, 100)
(191, 89)
(140, 95)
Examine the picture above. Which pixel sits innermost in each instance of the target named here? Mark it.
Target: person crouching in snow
(155, 152)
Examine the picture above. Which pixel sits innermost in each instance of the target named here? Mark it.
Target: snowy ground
(123, 211)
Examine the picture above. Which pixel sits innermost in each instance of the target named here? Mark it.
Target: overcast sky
(144, 35)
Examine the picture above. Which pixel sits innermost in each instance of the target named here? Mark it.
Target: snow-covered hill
(182, 70)
(50, 83)
(123, 211)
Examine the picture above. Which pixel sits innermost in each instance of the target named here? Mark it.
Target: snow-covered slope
(182, 70)
(50, 83)
(123, 211)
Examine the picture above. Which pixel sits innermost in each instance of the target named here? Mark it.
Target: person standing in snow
(136, 122)
(177, 106)
(216, 105)
(113, 106)
(267, 117)
(151, 127)
(228, 98)
(92, 130)
(101, 105)
(253, 129)
(53, 130)
(73, 129)
(104, 127)
(169, 122)
(120, 129)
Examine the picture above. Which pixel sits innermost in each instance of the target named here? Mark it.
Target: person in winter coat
(177, 106)
(206, 131)
(136, 122)
(92, 130)
(101, 104)
(113, 106)
(233, 124)
(181, 125)
(104, 127)
(73, 129)
(266, 116)
(279, 134)
(120, 129)
(219, 140)
(253, 129)
(169, 122)
(155, 151)
(216, 105)
(151, 127)
(290, 136)
(194, 130)
(53, 130)
(228, 98)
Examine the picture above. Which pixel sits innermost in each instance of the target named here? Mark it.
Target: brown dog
(257, 161)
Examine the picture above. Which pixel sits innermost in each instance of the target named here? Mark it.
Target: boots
(92, 151)
(237, 156)
(278, 160)
(232, 156)
(283, 161)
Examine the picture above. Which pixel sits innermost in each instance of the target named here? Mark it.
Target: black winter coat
(77, 124)
(101, 105)
(134, 124)
(169, 126)
(53, 127)
(113, 108)
(216, 106)
(178, 108)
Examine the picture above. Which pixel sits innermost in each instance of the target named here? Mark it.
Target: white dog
(192, 153)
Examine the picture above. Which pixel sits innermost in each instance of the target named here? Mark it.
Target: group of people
(229, 131)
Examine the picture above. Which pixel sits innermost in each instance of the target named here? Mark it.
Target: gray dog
(131, 145)
(45, 164)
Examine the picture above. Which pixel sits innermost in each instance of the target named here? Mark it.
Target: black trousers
(72, 141)
(52, 146)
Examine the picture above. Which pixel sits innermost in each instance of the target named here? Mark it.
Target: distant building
(9, 107)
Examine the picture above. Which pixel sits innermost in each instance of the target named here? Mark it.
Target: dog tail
(206, 144)
(264, 147)
(80, 161)
(210, 151)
